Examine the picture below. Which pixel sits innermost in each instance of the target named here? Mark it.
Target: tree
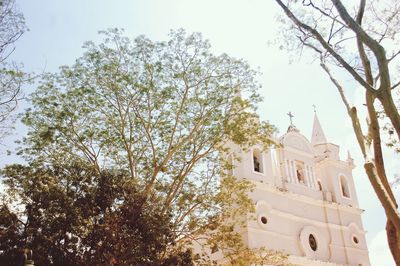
(161, 113)
(9, 235)
(361, 39)
(12, 26)
(75, 216)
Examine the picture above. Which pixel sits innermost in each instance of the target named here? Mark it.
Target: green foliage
(73, 215)
(160, 113)
(12, 26)
(160, 110)
(9, 235)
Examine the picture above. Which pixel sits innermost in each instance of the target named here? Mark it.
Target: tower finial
(315, 108)
(290, 117)
(291, 126)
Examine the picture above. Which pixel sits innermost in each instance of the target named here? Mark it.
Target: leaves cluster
(12, 26)
(160, 115)
(159, 110)
(73, 215)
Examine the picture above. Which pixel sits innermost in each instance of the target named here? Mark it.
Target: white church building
(306, 202)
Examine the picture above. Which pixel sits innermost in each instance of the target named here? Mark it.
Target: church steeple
(318, 136)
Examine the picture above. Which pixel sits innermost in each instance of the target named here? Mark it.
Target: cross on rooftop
(315, 108)
(290, 117)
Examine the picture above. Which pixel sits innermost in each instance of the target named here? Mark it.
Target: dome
(296, 141)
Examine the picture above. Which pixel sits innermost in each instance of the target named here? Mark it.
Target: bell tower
(336, 178)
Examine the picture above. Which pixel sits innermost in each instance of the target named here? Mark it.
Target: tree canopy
(74, 216)
(152, 118)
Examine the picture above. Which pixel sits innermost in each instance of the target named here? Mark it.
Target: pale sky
(241, 28)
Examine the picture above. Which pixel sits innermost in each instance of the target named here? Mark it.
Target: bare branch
(395, 85)
(393, 56)
(376, 48)
(326, 45)
(333, 18)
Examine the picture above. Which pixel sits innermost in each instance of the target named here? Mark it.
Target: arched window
(257, 161)
(319, 185)
(300, 172)
(344, 186)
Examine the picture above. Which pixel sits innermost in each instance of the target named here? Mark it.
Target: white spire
(318, 136)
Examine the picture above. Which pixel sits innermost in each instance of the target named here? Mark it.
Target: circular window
(312, 242)
(264, 220)
(355, 240)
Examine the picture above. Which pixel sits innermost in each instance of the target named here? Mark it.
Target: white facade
(306, 202)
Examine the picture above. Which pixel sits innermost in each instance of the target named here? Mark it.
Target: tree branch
(326, 45)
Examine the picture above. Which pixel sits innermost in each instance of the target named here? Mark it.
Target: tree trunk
(393, 241)
(374, 132)
(385, 97)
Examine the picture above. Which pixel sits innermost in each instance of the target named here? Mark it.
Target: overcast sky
(242, 28)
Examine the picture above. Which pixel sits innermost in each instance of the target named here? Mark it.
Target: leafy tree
(161, 114)
(362, 40)
(75, 216)
(9, 236)
(12, 26)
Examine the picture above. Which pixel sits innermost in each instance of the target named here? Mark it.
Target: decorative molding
(312, 201)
